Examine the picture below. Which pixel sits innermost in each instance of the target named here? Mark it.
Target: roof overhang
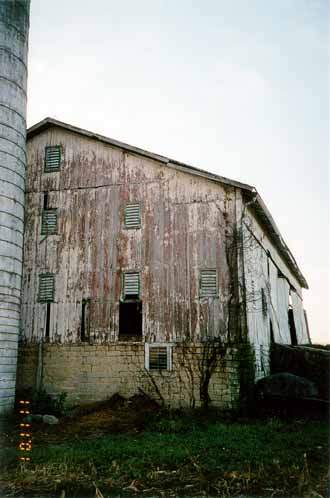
(249, 192)
(265, 218)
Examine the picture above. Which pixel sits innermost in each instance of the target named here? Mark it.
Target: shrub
(171, 422)
(44, 403)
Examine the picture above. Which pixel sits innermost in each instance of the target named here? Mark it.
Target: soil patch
(131, 446)
(115, 415)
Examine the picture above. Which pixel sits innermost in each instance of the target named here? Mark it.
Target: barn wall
(90, 373)
(262, 266)
(184, 224)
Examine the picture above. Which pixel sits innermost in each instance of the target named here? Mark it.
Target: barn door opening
(292, 327)
(130, 307)
(85, 322)
(271, 330)
(130, 320)
(47, 329)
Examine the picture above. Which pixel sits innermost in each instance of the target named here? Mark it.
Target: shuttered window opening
(49, 221)
(208, 283)
(131, 285)
(158, 357)
(46, 287)
(133, 215)
(52, 158)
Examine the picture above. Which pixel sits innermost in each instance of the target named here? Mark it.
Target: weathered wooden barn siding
(183, 231)
(262, 264)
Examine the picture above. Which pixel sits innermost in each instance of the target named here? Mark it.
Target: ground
(133, 447)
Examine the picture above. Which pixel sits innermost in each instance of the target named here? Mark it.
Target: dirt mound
(143, 402)
(116, 414)
(139, 402)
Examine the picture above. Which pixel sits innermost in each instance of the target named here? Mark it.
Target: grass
(237, 442)
(180, 452)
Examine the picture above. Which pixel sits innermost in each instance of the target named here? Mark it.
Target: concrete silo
(14, 28)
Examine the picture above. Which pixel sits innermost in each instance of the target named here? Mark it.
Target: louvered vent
(52, 158)
(131, 285)
(46, 287)
(49, 221)
(158, 358)
(208, 283)
(133, 215)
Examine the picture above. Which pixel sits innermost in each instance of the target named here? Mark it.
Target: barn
(142, 273)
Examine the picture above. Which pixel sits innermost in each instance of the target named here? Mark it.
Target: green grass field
(183, 453)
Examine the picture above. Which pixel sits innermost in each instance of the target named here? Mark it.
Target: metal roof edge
(262, 212)
(265, 217)
(49, 122)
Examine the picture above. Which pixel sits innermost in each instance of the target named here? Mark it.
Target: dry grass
(264, 480)
(131, 447)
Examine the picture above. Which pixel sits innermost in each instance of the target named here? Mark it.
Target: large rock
(50, 419)
(37, 418)
(286, 385)
(311, 363)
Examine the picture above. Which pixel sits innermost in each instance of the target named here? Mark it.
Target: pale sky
(236, 87)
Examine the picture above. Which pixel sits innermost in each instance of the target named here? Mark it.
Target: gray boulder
(50, 419)
(34, 418)
(286, 385)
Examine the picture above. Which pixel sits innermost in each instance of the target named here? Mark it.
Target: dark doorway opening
(292, 327)
(262, 365)
(45, 206)
(84, 327)
(130, 320)
(272, 339)
(47, 322)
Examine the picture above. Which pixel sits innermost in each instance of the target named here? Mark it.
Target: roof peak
(260, 207)
(49, 121)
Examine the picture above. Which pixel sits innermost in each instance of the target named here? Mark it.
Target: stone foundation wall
(90, 373)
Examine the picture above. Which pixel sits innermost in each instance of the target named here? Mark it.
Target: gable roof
(249, 192)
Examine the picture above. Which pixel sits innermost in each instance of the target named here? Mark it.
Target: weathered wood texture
(268, 283)
(184, 223)
(14, 24)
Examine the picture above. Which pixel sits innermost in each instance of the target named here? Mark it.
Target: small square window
(52, 158)
(46, 288)
(133, 215)
(158, 356)
(208, 283)
(49, 222)
(131, 285)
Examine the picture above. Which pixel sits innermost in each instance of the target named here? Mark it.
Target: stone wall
(90, 373)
